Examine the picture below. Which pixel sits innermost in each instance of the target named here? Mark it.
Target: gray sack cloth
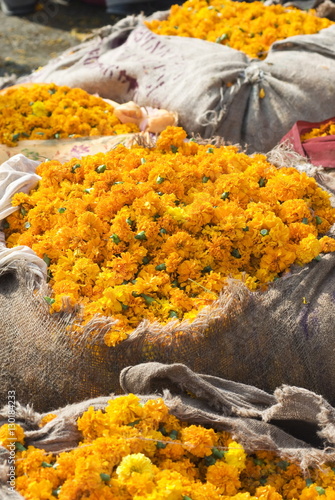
(190, 76)
(284, 335)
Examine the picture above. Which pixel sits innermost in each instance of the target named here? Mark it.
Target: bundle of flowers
(155, 232)
(48, 111)
(142, 452)
(249, 27)
(325, 128)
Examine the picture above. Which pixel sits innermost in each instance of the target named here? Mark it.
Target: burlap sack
(129, 62)
(267, 338)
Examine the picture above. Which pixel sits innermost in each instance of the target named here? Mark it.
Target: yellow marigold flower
(198, 440)
(47, 418)
(124, 409)
(136, 463)
(308, 249)
(10, 434)
(39, 490)
(225, 477)
(235, 455)
(267, 493)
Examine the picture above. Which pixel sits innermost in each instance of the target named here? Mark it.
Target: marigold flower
(11, 434)
(134, 464)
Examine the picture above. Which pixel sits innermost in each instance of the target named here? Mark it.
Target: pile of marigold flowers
(155, 232)
(325, 129)
(249, 27)
(48, 111)
(142, 452)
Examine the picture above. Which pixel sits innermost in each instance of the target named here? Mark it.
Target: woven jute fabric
(283, 335)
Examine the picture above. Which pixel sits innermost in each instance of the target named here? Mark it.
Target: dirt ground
(30, 41)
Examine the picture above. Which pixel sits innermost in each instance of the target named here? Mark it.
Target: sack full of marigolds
(176, 252)
(203, 439)
(243, 71)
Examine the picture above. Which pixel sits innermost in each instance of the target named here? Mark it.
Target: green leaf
(264, 232)
(320, 490)
(160, 180)
(225, 195)
(262, 182)
(309, 482)
(221, 38)
(135, 422)
(100, 169)
(207, 269)
(210, 150)
(148, 300)
(16, 137)
(161, 267)
(318, 220)
(173, 434)
(74, 168)
(146, 260)
(160, 445)
(57, 136)
(45, 464)
(140, 236)
(46, 259)
(27, 225)
(246, 228)
(19, 446)
(49, 300)
(173, 314)
(105, 477)
(174, 149)
(143, 160)
(217, 453)
(210, 460)
(162, 231)
(62, 210)
(283, 464)
(115, 239)
(235, 253)
(305, 220)
(205, 179)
